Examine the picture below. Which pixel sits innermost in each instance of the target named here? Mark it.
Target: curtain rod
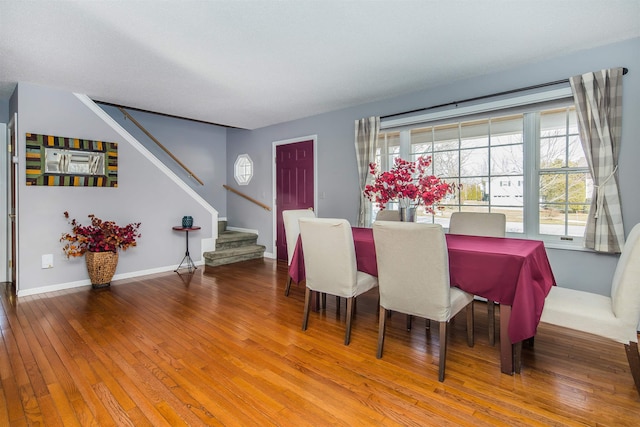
(477, 98)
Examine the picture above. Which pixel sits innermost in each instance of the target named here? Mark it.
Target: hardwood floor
(226, 348)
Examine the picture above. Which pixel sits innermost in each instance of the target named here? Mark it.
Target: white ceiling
(250, 64)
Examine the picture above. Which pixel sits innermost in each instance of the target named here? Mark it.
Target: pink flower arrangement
(100, 236)
(407, 183)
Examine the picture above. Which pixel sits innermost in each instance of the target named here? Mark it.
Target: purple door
(294, 185)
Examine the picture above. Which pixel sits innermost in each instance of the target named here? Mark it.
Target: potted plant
(100, 242)
(409, 184)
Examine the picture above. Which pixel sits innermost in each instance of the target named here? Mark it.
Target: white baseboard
(87, 282)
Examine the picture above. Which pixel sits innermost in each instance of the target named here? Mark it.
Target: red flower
(407, 182)
(100, 236)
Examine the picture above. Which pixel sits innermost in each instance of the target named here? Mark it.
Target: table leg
(189, 262)
(517, 357)
(506, 348)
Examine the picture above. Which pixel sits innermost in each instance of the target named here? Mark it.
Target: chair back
(329, 255)
(292, 229)
(478, 224)
(413, 269)
(625, 287)
(388, 215)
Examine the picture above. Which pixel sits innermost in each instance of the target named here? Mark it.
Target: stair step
(231, 255)
(235, 239)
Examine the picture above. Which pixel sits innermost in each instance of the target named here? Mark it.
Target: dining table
(515, 273)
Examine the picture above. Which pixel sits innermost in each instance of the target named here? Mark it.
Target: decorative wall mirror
(58, 161)
(78, 162)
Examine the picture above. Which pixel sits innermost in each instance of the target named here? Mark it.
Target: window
(388, 149)
(565, 184)
(243, 169)
(527, 163)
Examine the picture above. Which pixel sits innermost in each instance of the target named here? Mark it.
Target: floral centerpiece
(100, 236)
(408, 183)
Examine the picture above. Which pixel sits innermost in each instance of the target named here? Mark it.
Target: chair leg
(491, 314)
(307, 306)
(347, 334)
(288, 287)
(470, 337)
(409, 318)
(633, 356)
(324, 301)
(382, 322)
(443, 350)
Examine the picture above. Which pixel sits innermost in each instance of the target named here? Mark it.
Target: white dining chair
(615, 317)
(488, 224)
(388, 215)
(413, 278)
(291, 232)
(330, 264)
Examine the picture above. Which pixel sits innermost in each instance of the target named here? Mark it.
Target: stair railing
(153, 138)
(249, 198)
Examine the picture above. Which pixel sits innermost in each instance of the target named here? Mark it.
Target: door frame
(4, 209)
(12, 203)
(314, 138)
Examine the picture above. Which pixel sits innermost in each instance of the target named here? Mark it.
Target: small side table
(187, 258)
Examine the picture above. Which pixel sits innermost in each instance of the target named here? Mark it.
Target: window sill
(566, 247)
(554, 243)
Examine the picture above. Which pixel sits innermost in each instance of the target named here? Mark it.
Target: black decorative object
(187, 221)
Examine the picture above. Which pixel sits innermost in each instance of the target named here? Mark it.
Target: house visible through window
(527, 163)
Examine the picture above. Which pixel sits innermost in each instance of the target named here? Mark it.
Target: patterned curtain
(598, 100)
(366, 142)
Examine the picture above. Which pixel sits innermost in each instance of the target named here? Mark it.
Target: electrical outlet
(47, 261)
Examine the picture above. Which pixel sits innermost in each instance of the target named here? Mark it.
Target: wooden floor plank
(226, 348)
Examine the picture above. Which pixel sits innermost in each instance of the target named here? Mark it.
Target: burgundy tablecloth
(515, 272)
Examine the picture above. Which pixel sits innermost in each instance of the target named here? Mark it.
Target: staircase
(233, 246)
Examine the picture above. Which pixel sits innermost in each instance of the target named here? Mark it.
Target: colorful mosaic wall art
(59, 161)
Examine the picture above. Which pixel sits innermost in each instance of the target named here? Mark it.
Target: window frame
(530, 106)
(243, 169)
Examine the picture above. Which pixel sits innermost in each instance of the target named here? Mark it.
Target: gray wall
(144, 194)
(199, 146)
(336, 172)
(4, 110)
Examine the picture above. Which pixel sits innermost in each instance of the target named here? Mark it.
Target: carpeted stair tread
(233, 246)
(234, 239)
(231, 255)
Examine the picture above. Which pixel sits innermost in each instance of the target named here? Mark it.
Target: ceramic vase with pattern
(187, 221)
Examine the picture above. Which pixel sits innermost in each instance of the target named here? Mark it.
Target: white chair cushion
(587, 312)
(625, 287)
(364, 282)
(459, 299)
